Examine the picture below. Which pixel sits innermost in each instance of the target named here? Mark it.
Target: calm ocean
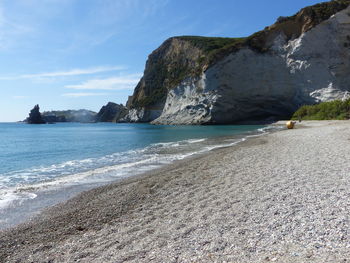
(41, 165)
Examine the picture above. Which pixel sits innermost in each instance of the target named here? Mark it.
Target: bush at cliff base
(332, 110)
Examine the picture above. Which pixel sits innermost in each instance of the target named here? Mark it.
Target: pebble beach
(280, 197)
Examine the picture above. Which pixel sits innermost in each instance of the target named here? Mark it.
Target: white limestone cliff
(247, 84)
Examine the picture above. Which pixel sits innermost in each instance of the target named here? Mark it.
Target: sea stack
(35, 116)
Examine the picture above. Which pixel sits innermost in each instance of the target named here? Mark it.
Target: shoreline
(235, 204)
(47, 194)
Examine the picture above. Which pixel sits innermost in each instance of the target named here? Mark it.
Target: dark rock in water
(112, 112)
(35, 116)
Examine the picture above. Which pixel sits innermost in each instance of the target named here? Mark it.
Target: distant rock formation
(112, 112)
(302, 59)
(52, 117)
(84, 116)
(35, 116)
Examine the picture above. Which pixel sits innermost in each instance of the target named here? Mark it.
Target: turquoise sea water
(50, 162)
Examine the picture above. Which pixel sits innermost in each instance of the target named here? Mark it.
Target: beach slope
(282, 197)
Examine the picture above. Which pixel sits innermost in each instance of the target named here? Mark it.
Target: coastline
(20, 202)
(282, 196)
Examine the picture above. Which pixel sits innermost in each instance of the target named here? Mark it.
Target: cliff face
(165, 68)
(299, 60)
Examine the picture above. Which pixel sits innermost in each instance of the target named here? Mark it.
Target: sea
(42, 165)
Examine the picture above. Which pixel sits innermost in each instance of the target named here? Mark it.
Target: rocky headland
(302, 59)
(112, 112)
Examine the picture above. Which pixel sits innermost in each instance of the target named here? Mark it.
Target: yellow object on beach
(290, 124)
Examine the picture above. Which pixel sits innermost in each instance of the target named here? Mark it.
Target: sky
(81, 54)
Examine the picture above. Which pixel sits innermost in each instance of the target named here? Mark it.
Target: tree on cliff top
(35, 116)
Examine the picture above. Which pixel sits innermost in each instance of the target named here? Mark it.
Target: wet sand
(283, 197)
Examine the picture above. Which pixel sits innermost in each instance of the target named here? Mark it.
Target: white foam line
(80, 176)
(70, 167)
(9, 196)
(175, 144)
(195, 140)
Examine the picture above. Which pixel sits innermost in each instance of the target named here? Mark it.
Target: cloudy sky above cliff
(72, 54)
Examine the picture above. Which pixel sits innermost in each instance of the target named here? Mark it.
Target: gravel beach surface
(282, 197)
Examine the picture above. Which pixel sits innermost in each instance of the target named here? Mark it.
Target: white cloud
(19, 97)
(72, 72)
(114, 83)
(77, 95)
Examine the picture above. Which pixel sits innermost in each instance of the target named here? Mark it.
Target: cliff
(302, 59)
(111, 112)
(165, 68)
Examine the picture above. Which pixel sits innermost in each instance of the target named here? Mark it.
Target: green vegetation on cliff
(214, 47)
(323, 11)
(332, 110)
(294, 26)
(217, 47)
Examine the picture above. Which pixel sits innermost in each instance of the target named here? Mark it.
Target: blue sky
(72, 54)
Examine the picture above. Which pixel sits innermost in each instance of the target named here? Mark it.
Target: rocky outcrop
(35, 116)
(303, 59)
(111, 112)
